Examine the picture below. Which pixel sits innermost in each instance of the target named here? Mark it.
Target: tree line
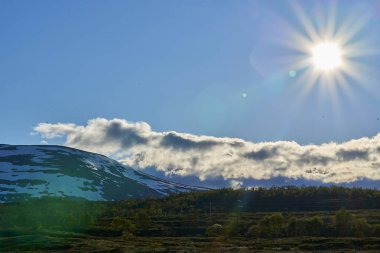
(252, 213)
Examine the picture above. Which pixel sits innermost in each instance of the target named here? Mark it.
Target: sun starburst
(329, 50)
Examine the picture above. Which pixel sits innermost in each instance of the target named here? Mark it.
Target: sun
(326, 53)
(327, 56)
(321, 50)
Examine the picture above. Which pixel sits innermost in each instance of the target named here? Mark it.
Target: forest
(307, 218)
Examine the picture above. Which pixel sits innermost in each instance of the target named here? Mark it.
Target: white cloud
(236, 184)
(137, 145)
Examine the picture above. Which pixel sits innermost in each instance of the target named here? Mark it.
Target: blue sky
(178, 65)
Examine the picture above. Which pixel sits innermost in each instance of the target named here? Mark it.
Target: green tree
(295, 228)
(313, 226)
(233, 227)
(343, 222)
(142, 219)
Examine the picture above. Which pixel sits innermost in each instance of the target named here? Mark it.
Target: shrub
(375, 230)
(254, 231)
(361, 227)
(127, 236)
(214, 230)
(121, 224)
(272, 225)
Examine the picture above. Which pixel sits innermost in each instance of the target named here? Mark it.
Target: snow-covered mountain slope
(35, 171)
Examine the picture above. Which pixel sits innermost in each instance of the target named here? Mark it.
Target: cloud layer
(137, 145)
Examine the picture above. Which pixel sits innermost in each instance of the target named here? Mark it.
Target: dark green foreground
(283, 219)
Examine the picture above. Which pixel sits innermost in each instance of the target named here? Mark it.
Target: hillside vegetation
(306, 218)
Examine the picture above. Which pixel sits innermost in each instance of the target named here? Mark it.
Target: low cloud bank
(137, 145)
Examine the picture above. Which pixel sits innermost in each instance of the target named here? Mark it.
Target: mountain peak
(48, 170)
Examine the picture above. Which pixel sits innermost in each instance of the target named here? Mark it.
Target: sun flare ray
(330, 51)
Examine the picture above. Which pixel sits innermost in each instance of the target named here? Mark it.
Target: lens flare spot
(292, 73)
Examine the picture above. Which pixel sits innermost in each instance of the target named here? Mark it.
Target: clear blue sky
(201, 67)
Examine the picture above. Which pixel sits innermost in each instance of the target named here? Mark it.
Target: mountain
(43, 170)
